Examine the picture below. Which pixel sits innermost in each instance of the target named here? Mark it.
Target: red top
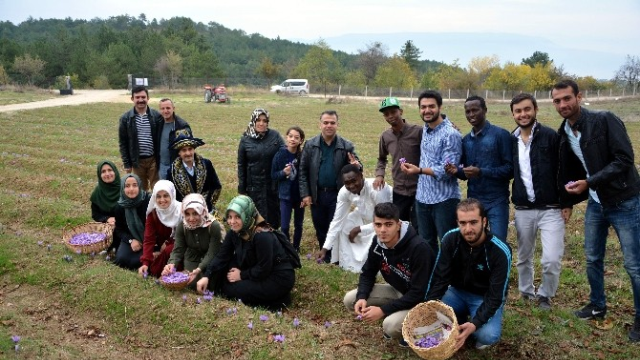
(155, 233)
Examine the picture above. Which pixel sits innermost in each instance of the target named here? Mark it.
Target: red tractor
(216, 94)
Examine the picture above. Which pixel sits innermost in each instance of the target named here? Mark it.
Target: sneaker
(591, 311)
(527, 297)
(634, 334)
(403, 343)
(543, 303)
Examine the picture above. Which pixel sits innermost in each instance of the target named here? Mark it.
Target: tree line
(100, 53)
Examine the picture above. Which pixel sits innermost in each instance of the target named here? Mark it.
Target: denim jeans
(286, 207)
(434, 220)
(498, 216)
(625, 219)
(465, 305)
(322, 211)
(162, 173)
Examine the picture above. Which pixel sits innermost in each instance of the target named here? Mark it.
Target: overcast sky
(609, 26)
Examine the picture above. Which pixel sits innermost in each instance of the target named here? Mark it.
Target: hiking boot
(543, 303)
(590, 312)
(634, 334)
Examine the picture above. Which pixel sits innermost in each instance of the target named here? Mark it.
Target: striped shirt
(145, 140)
(439, 146)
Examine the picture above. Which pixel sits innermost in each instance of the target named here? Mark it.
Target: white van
(292, 86)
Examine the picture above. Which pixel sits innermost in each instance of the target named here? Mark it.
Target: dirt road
(78, 97)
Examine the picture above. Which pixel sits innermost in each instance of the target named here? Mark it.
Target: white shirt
(524, 161)
(574, 142)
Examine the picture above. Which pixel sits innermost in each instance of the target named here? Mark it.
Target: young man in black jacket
(596, 162)
(405, 262)
(536, 196)
(472, 275)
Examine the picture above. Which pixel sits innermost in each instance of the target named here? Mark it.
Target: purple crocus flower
(359, 317)
(198, 301)
(309, 256)
(107, 257)
(264, 318)
(40, 243)
(296, 322)
(184, 298)
(278, 338)
(145, 274)
(250, 326)
(327, 324)
(15, 338)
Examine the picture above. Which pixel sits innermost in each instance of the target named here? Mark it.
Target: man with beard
(402, 142)
(191, 173)
(487, 164)
(172, 126)
(597, 163)
(136, 133)
(405, 262)
(471, 275)
(351, 232)
(438, 193)
(536, 197)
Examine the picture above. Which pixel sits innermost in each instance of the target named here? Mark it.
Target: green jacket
(196, 247)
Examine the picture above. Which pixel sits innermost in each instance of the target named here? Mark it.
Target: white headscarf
(171, 216)
(196, 202)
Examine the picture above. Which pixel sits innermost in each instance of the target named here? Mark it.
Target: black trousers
(407, 208)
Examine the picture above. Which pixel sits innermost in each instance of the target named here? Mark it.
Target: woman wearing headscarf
(105, 196)
(163, 216)
(258, 146)
(251, 265)
(131, 214)
(197, 239)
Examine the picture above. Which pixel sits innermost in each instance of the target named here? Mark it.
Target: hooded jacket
(482, 270)
(407, 267)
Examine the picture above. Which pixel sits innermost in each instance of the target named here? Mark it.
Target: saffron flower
(208, 295)
(15, 338)
(264, 318)
(296, 322)
(278, 338)
(107, 257)
(250, 326)
(327, 324)
(319, 260)
(198, 301)
(175, 278)
(40, 243)
(184, 298)
(359, 317)
(145, 274)
(570, 183)
(84, 239)
(402, 160)
(427, 342)
(309, 256)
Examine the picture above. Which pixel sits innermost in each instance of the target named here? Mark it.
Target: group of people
(425, 241)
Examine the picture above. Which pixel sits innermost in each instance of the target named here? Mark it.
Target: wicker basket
(424, 314)
(92, 227)
(174, 286)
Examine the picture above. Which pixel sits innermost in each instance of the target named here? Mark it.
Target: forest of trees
(99, 53)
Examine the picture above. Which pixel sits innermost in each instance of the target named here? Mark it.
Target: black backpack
(292, 255)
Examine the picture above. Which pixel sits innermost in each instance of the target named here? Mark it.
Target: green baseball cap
(389, 102)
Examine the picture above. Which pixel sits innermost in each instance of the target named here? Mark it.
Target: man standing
(596, 162)
(191, 173)
(471, 275)
(405, 262)
(351, 231)
(322, 159)
(402, 142)
(438, 193)
(172, 127)
(536, 197)
(487, 164)
(137, 130)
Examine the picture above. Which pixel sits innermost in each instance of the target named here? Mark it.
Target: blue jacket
(288, 188)
(491, 152)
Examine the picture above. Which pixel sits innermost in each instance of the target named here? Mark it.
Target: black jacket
(255, 157)
(608, 155)
(180, 127)
(543, 156)
(407, 267)
(310, 164)
(483, 271)
(128, 136)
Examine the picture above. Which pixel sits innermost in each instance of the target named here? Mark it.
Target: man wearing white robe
(351, 230)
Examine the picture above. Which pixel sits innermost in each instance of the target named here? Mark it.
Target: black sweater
(482, 270)
(407, 267)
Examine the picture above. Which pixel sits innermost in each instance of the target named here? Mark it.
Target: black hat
(186, 140)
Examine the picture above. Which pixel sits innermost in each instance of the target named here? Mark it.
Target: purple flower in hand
(359, 317)
(402, 160)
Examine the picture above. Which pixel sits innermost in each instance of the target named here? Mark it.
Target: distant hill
(447, 47)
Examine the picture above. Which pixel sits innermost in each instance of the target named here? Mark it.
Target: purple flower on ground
(359, 317)
(15, 338)
(264, 318)
(235, 310)
(327, 324)
(40, 243)
(229, 311)
(296, 322)
(207, 297)
(198, 301)
(250, 326)
(278, 338)
(107, 257)
(319, 261)
(309, 256)
(184, 298)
